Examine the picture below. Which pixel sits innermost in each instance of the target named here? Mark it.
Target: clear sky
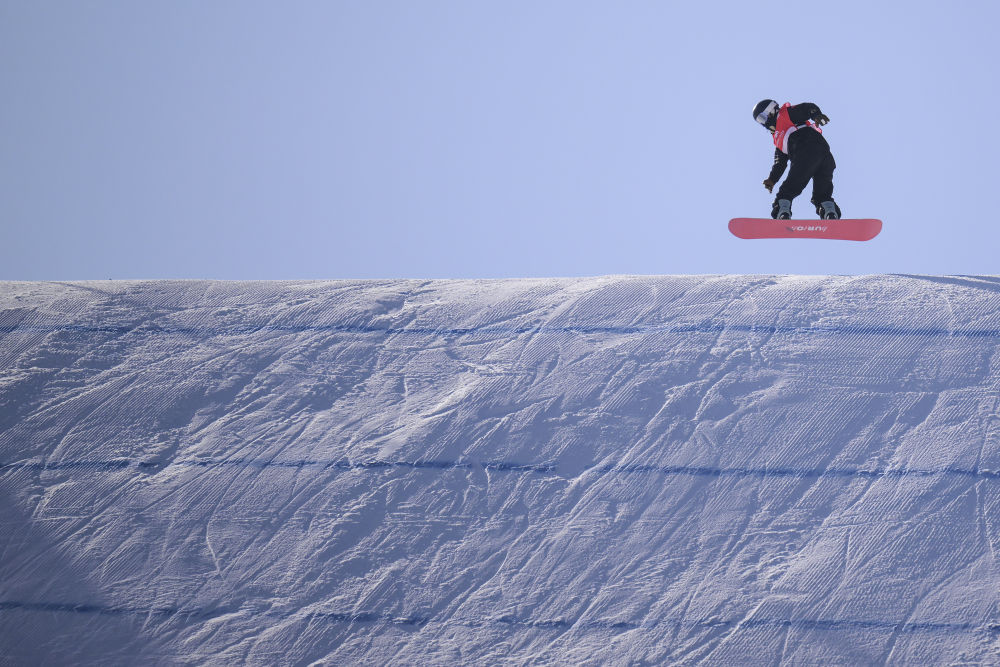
(472, 138)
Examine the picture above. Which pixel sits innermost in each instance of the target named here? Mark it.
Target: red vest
(783, 128)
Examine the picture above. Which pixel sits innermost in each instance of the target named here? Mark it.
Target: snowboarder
(808, 151)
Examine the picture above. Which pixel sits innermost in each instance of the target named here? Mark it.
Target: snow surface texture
(731, 469)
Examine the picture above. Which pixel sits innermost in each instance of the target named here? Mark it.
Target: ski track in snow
(614, 470)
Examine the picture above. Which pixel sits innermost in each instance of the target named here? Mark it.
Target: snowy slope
(728, 470)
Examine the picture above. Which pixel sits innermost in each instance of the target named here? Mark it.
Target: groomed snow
(617, 470)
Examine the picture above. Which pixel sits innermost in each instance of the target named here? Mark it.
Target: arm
(780, 162)
(800, 113)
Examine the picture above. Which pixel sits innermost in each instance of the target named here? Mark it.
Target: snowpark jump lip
(274, 471)
(861, 229)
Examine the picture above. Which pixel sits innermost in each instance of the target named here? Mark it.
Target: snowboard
(842, 230)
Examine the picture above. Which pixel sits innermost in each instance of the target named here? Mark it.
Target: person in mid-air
(798, 137)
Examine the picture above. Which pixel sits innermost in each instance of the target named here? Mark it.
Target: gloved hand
(822, 119)
(769, 184)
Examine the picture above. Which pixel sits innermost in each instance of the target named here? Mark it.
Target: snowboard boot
(782, 209)
(828, 210)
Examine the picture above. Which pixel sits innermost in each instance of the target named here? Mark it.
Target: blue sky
(464, 138)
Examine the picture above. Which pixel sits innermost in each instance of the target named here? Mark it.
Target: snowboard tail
(842, 230)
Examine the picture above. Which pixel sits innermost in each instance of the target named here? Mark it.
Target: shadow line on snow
(359, 329)
(830, 625)
(513, 467)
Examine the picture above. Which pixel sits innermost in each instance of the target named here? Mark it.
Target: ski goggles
(766, 113)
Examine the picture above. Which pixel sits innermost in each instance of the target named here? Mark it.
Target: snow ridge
(614, 470)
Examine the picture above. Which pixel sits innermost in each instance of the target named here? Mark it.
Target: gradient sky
(470, 138)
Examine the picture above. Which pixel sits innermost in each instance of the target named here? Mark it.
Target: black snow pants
(810, 158)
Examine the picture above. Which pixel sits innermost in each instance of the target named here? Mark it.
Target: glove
(769, 184)
(822, 119)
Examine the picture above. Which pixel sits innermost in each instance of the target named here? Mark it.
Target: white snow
(616, 470)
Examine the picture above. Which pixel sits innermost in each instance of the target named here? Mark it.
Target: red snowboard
(843, 230)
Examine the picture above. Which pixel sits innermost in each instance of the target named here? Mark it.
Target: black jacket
(798, 114)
